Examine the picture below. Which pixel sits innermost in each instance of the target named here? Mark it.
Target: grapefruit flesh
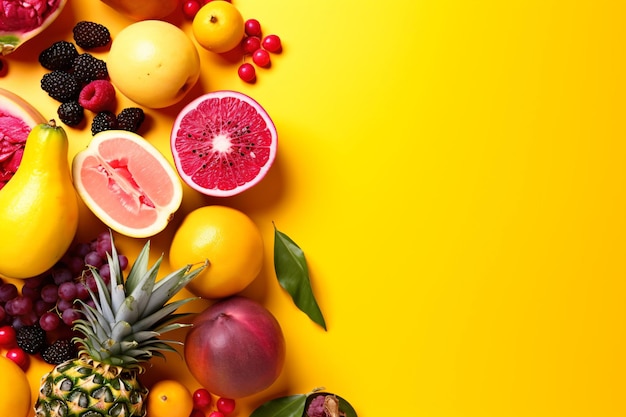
(223, 143)
(127, 183)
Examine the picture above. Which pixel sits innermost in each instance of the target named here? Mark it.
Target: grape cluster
(50, 299)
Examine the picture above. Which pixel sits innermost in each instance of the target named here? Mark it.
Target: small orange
(229, 240)
(218, 26)
(15, 389)
(169, 398)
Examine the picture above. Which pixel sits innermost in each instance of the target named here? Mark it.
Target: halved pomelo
(17, 118)
(127, 183)
(223, 143)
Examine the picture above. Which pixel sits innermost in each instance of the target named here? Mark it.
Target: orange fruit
(169, 398)
(231, 242)
(127, 183)
(15, 389)
(218, 26)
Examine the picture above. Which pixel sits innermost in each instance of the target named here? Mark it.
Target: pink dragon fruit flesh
(21, 20)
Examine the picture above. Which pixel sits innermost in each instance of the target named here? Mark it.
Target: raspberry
(31, 339)
(58, 56)
(90, 35)
(97, 96)
(71, 113)
(60, 85)
(60, 351)
(87, 68)
(130, 119)
(104, 120)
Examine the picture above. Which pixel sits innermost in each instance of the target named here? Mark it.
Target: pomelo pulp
(127, 183)
(223, 143)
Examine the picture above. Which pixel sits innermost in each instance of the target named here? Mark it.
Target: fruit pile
(92, 313)
(80, 81)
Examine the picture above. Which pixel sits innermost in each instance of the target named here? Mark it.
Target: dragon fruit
(17, 118)
(21, 20)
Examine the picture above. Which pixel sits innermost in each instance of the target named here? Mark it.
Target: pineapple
(120, 334)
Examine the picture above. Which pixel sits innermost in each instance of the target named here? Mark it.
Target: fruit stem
(213, 18)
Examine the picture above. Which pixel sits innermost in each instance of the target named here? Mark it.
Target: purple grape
(123, 261)
(49, 321)
(70, 315)
(103, 247)
(40, 307)
(81, 249)
(81, 291)
(34, 282)
(63, 305)
(61, 275)
(105, 272)
(93, 259)
(34, 293)
(7, 292)
(50, 293)
(19, 305)
(67, 291)
(76, 265)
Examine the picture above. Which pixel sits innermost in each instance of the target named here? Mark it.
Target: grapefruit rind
(101, 200)
(186, 172)
(16, 106)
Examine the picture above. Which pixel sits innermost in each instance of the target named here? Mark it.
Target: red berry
(252, 27)
(201, 398)
(18, 356)
(247, 72)
(261, 57)
(216, 414)
(7, 336)
(196, 413)
(97, 96)
(225, 405)
(190, 8)
(272, 43)
(251, 44)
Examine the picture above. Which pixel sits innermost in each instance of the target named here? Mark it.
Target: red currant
(201, 398)
(252, 27)
(190, 8)
(7, 336)
(272, 43)
(225, 405)
(216, 414)
(261, 57)
(251, 44)
(247, 72)
(18, 356)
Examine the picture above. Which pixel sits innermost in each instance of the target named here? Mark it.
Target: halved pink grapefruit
(223, 143)
(127, 183)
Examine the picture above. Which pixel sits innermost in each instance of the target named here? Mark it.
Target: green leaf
(293, 275)
(290, 406)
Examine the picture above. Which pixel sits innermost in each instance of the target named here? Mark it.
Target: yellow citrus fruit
(218, 26)
(154, 63)
(15, 389)
(169, 398)
(231, 242)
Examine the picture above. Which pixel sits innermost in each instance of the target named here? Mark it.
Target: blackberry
(71, 113)
(130, 119)
(58, 56)
(88, 68)
(31, 339)
(90, 35)
(60, 351)
(104, 120)
(60, 85)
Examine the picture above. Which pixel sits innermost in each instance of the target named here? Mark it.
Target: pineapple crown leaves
(128, 317)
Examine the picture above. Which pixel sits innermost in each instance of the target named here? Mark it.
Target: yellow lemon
(14, 388)
(218, 26)
(231, 242)
(169, 398)
(154, 63)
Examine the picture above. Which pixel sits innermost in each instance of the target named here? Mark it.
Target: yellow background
(454, 172)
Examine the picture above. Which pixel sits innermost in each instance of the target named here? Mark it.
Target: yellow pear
(38, 206)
